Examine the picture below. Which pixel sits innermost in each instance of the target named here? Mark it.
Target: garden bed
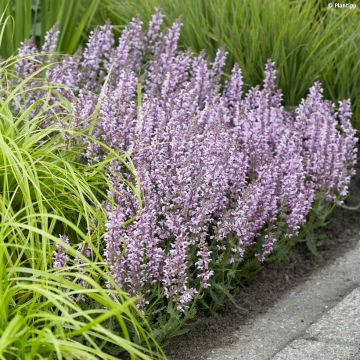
(140, 175)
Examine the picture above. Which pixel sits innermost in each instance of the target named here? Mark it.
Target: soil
(270, 285)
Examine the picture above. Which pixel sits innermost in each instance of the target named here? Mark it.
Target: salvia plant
(219, 172)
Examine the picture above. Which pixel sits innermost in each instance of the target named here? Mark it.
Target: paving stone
(341, 324)
(289, 318)
(302, 349)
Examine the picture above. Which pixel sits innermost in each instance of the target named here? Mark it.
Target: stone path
(319, 319)
(335, 336)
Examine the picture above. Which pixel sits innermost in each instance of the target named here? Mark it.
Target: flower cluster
(60, 256)
(213, 163)
(61, 259)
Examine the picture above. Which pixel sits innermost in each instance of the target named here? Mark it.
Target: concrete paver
(302, 349)
(342, 323)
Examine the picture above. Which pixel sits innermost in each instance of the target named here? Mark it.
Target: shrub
(220, 173)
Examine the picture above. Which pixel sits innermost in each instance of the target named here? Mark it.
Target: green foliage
(41, 318)
(307, 40)
(40, 174)
(45, 190)
(309, 234)
(25, 18)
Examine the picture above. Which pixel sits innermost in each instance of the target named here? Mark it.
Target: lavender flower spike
(60, 256)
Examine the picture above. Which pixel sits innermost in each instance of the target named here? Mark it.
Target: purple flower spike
(60, 257)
